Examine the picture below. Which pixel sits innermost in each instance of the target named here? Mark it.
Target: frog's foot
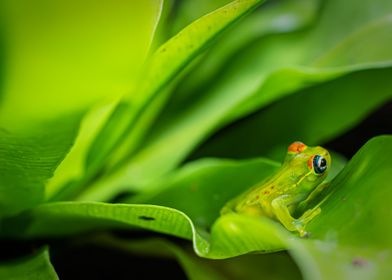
(300, 228)
(300, 223)
(309, 215)
(302, 232)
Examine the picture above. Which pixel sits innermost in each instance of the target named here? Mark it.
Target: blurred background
(59, 58)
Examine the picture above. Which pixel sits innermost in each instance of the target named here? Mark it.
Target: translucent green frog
(292, 189)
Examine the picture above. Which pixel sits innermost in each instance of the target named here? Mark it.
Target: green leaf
(162, 68)
(72, 168)
(231, 235)
(277, 17)
(314, 115)
(71, 217)
(351, 238)
(269, 69)
(196, 189)
(37, 267)
(62, 57)
(188, 11)
(29, 158)
(203, 180)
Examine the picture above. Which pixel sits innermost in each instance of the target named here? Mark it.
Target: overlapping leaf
(314, 115)
(29, 158)
(37, 267)
(355, 200)
(132, 118)
(265, 71)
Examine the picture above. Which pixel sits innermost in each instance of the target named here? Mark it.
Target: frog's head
(309, 164)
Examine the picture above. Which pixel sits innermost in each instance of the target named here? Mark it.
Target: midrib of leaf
(172, 56)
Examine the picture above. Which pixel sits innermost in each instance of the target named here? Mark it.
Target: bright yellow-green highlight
(64, 56)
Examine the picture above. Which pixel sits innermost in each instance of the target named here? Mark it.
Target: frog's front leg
(315, 198)
(282, 213)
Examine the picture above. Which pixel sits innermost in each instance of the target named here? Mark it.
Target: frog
(287, 195)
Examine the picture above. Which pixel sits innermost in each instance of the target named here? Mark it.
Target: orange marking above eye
(297, 147)
(310, 162)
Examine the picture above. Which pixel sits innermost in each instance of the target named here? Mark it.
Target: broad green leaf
(162, 68)
(349, 238)
(277, 17)
(63, 56)
(267, 70)
(29, 158)
(314, 115)
(231, 235)
(295, 59)
(213, 181)
(339, 162)
(37, 267)
(352, 238)
(196, 189)
(72, 168)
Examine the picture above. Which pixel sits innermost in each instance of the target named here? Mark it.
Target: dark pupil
(319, 164)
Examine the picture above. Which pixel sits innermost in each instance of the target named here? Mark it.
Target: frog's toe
(304, 234)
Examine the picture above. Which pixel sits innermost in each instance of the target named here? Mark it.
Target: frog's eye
(296, 147)
(319, 164)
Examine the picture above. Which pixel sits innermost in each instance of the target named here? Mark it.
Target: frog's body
(296, 183)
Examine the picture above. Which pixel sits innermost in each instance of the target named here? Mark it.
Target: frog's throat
(303, 178)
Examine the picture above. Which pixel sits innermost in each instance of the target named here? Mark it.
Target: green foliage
(28, 159)
(90, 111)
(36, 267)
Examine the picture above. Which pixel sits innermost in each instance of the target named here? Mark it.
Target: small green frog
(290, 190)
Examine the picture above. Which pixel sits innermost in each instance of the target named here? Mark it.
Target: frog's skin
(293, 187)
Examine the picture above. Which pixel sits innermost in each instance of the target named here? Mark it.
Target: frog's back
(255, 202)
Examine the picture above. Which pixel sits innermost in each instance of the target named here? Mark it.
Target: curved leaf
(314, 116)
(231, 235)
(198, 183)
(196, 189)
(352, 223)
(269, 69)
(122, 132)
(37, 267)
(277, 17)
(352, 237)
(72, 168)
(29, 158)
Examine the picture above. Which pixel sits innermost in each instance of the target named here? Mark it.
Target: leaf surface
(260, 74)
(37, 267)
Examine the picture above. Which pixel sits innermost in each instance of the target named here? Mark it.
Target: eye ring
(319, 164)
